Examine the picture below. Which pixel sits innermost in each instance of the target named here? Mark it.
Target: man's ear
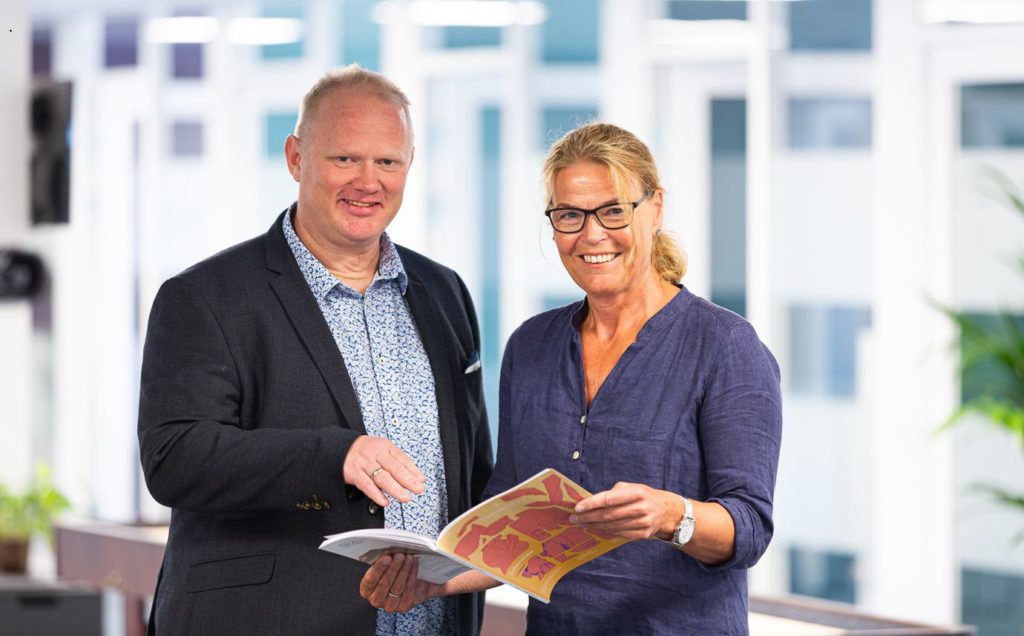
(293, 155)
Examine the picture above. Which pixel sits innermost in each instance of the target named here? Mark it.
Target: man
(312, 380)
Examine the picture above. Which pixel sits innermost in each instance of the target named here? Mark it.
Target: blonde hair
(629, 161)
(352, 77)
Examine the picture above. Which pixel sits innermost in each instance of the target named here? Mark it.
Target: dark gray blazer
(246, 414)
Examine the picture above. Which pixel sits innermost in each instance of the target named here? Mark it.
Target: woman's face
(605, 263)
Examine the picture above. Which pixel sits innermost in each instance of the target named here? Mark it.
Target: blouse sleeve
(740, 422)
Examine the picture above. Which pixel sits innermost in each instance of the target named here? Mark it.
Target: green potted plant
(992, 353)
(25, 515)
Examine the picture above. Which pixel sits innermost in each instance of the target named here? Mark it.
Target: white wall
(15, 315)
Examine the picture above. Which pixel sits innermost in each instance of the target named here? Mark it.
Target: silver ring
(375, 471)
(393, 595)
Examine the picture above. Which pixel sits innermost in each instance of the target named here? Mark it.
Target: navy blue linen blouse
(691, 407)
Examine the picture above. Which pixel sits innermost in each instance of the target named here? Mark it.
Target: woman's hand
(391, 584)
(632, 511)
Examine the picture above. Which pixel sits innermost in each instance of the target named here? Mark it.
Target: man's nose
(367, 177)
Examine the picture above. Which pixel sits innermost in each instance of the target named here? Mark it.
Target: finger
(412, 592)
(402, 470)
(395, 591)
(379, 596)
(389, 485)
(400, 586)
(369, 488)
(372, 577)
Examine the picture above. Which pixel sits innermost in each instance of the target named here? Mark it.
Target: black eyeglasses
(613, 216)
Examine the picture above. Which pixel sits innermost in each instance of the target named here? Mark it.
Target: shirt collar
(321, 281)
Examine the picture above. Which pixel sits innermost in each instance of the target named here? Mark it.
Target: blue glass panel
(822, 574)
(988, 377)
(823, 348)
(992, 116)
(729, 204)
(360, 35)
(490, 258)
(187, 61)
(457, 37)
(554, 301)
(42, 50)
(843, 324)
(121, 41)
(992, 601)
(187, 139)
(830, 25)
(289, 51)
(833, 122)
(558, 120)
(571, 32)
(277, 128)
(706, 10)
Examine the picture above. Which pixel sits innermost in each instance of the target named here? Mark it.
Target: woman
(663, 404)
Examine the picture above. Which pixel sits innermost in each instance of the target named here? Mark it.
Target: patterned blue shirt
(391, 374)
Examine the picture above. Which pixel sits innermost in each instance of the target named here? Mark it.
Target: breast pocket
(635, 455)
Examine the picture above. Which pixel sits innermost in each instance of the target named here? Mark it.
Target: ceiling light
(182, 30)
(264, 30)
(469, 13)
(701, 34)
(973, 11)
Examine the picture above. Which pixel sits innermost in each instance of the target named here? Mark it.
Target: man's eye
(343, 159)
(388, 163)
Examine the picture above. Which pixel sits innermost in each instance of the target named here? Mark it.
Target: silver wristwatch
(684, 532)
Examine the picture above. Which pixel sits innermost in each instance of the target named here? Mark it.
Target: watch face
(684, 532)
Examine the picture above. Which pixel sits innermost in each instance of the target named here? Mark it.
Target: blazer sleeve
(196, 453)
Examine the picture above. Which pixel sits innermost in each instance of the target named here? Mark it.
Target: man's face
(351, 167)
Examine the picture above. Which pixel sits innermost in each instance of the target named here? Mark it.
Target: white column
(762, 130)
(400, 43)
(686, 171)
(627, 77)
(909, 567)
(15, 315)
(521, 198)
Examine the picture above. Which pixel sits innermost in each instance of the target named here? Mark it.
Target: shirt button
(575, 454)
(373, 508)
(583, 419)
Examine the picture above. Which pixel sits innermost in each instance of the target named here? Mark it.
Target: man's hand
(376, 466)
(391, 584)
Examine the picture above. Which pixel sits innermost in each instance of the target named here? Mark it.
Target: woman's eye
(612, 212)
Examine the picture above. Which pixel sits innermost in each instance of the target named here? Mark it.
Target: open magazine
(521, 537)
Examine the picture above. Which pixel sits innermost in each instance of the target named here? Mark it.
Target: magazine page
(523, 536)
(369, 544)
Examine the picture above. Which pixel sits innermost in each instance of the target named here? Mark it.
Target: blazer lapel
(304, 313)
(441, 346)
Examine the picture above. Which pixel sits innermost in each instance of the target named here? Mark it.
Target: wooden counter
(127, 558)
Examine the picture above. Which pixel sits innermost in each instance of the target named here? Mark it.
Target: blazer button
(373, 508)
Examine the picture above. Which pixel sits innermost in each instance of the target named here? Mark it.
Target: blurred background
(832, 168)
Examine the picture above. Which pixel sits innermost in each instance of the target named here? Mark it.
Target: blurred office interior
(828, 163)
